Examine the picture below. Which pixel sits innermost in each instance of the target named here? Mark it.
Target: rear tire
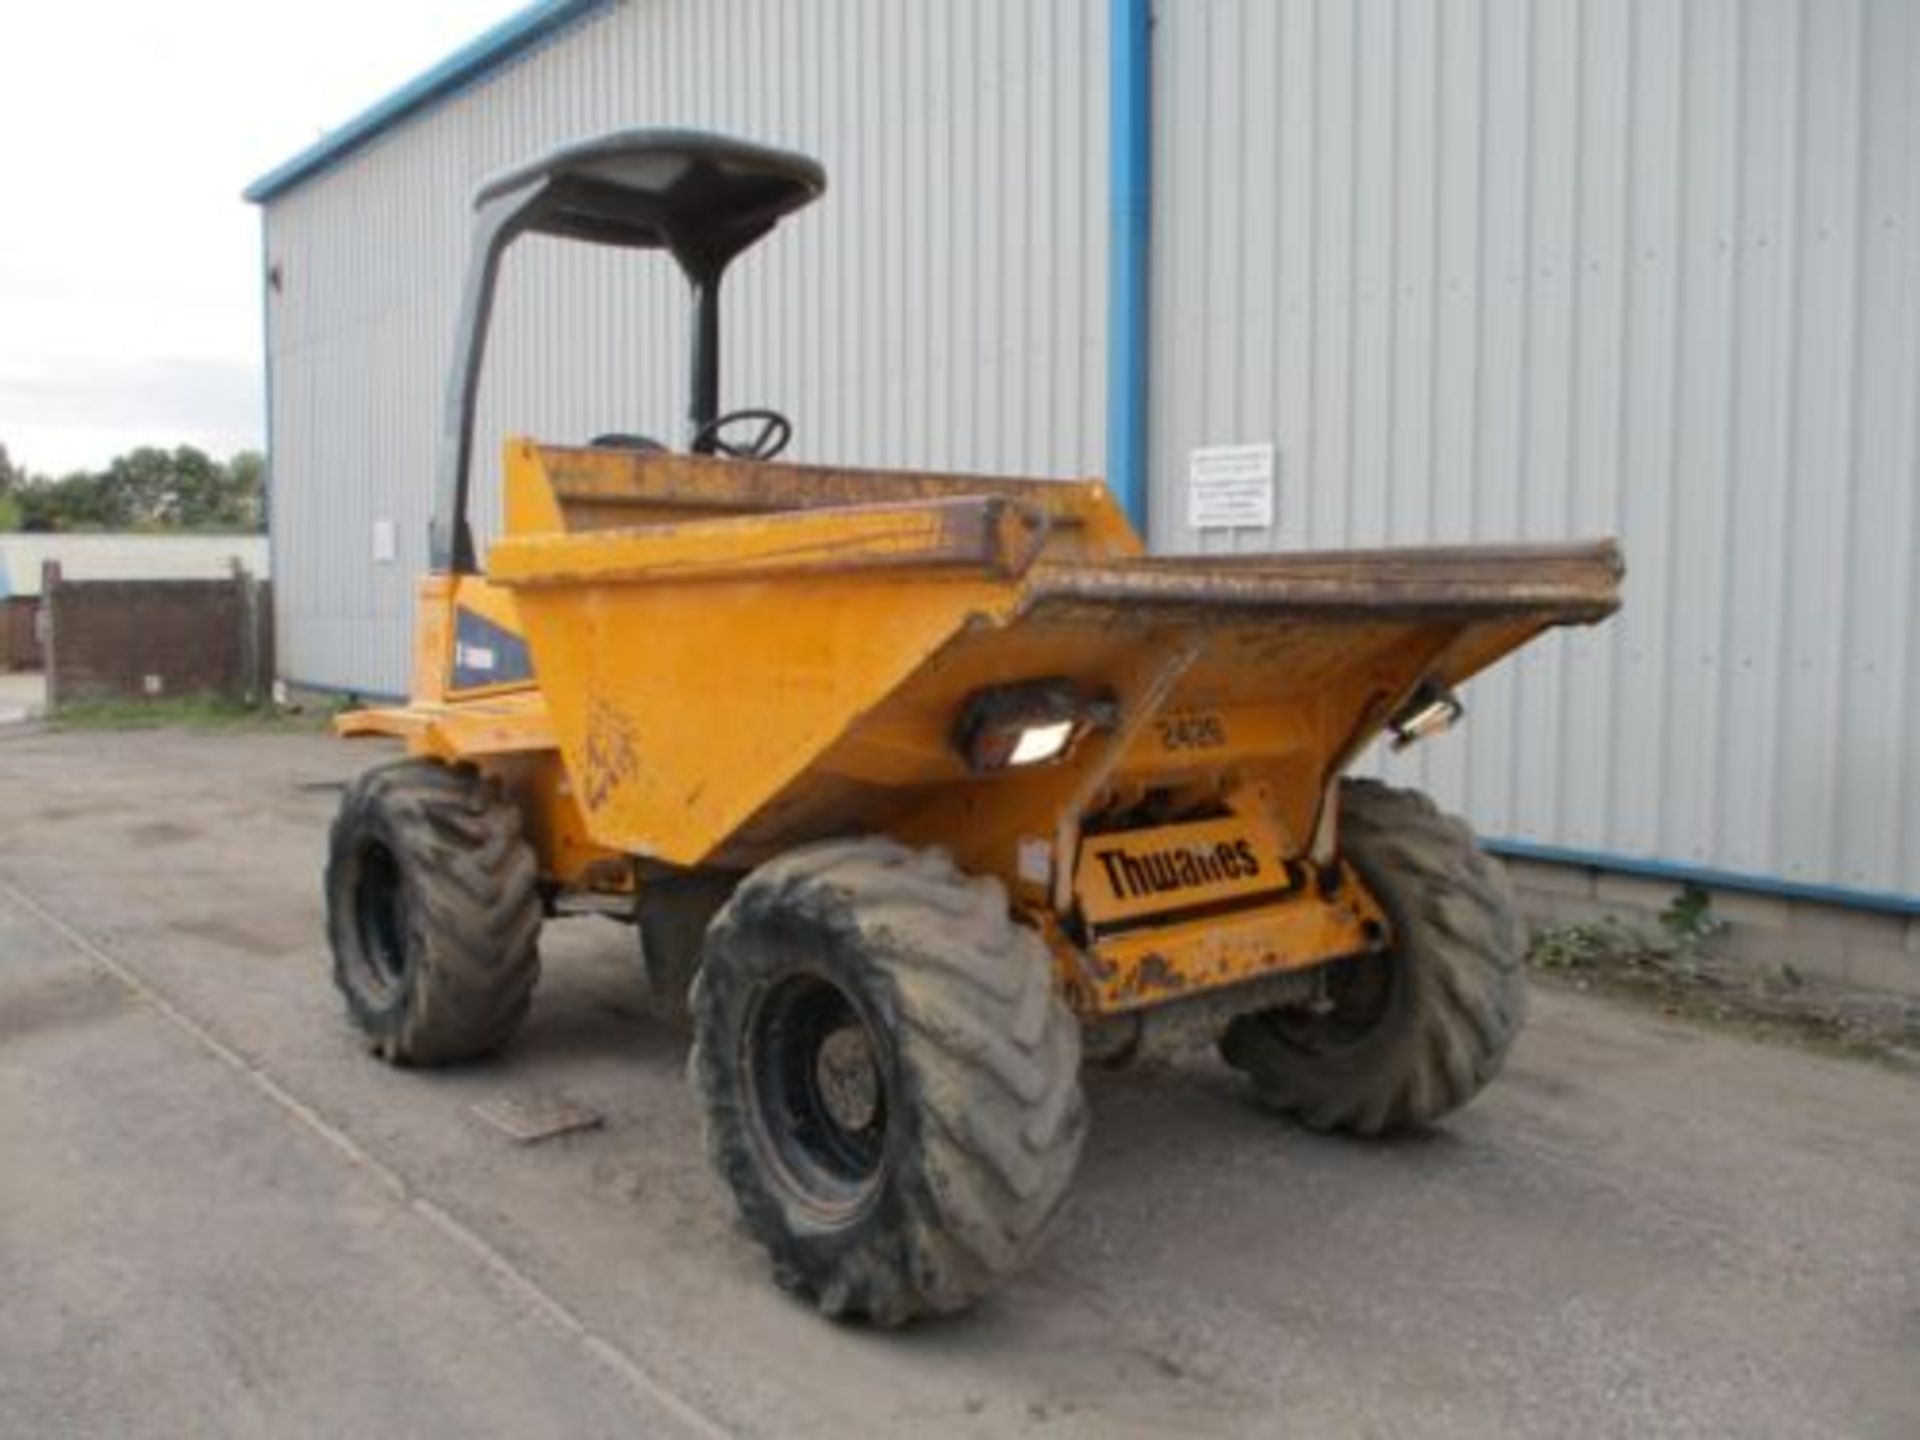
(890, 1079)
(433, 913)
(1415, 1032)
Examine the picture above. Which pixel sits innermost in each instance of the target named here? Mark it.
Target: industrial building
(1488, 270)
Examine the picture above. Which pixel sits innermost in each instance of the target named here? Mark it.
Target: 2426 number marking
(1191, 732)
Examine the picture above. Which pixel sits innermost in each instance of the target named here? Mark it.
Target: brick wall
(19, 640)
(155, 639)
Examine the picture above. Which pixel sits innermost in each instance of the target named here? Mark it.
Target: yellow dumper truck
(916, 787)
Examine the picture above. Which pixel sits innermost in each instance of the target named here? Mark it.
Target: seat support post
(703, 389)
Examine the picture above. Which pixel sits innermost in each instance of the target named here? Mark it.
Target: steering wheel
(768, 441)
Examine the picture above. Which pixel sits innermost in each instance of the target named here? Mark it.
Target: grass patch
(1681, 972)
(186, 712)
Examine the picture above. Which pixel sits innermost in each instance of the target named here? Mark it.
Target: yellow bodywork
(725, 659)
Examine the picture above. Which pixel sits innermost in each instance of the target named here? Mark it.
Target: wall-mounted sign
(1230, 487)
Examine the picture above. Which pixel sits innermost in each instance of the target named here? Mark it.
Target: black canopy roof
(703, 197)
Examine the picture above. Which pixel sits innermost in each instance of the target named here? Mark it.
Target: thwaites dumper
(914, 785)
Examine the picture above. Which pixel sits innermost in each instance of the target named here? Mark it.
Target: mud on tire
(1418, 1031)
(959, 1147)
(433, 912)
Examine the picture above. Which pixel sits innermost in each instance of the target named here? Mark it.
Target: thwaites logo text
(1135, 876)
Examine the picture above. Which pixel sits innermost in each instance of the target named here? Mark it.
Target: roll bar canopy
(702, 198)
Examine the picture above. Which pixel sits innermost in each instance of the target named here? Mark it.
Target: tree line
(144, 489)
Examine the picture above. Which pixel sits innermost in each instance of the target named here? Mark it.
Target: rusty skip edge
(1568, 583)
(1470, 559)
(725, 487)
(990, 534)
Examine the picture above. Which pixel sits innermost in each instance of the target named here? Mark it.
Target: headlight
(1432, 709)
(1041, 742)
(1027, 724)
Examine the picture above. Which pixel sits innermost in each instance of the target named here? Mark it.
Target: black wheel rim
(379, 917)
(1357, 997)
(818, 1094)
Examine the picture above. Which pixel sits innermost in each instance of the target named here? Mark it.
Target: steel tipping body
(723, 660)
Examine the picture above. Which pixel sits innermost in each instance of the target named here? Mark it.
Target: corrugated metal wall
(1481, 269)
(1487, 269)
(943, 307)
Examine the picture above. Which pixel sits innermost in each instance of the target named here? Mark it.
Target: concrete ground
(23, 695)
(219, 1215)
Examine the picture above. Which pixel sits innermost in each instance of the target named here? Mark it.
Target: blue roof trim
(473, 62)
(356, 693)
(1129, 240)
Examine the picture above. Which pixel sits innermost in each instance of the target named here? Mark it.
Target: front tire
(890, 1079)
(1407, 1035)
(433, 913)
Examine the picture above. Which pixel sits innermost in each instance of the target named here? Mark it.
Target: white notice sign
(1230, 487)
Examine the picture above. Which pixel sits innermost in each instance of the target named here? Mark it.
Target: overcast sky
(129, 266)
